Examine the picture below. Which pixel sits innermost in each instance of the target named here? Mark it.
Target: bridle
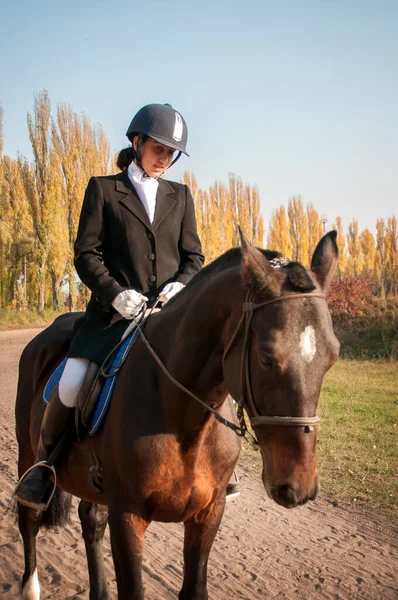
(256, 419)
(246, 397)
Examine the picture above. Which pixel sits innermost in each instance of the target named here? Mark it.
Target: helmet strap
(176, 158)
(138, 152)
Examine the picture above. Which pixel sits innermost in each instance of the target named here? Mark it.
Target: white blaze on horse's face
(308, 343)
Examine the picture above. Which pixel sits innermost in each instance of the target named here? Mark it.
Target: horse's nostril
(285, 495)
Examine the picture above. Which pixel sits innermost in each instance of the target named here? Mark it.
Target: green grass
(357, 442)
(27, 319)
(371, 337)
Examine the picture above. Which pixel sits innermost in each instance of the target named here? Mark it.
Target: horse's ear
(256, 270)
(324, 260)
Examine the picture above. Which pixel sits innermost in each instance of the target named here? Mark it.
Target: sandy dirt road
(261, 551)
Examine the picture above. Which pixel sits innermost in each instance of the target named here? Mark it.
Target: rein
(237, 428)
(256, 418)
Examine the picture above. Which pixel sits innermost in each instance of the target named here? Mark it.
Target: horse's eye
(265, 360)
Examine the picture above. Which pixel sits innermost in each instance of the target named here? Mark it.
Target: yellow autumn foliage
(40, 203)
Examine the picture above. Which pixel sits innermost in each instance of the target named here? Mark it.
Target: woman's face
(155, 157)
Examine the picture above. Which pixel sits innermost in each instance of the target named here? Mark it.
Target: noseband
(246, 397)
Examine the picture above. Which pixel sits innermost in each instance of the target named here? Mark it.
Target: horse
(169, 443)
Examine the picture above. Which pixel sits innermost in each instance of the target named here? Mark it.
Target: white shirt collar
(137, 172)
(146, 188)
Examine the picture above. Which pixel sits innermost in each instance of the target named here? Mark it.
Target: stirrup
(231, 496)
(41, 505)
(235, 491)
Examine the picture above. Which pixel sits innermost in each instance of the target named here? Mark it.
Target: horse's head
(287, 344)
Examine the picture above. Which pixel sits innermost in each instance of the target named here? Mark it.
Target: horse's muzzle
(288, 496)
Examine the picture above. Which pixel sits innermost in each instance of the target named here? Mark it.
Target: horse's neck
(197, 330)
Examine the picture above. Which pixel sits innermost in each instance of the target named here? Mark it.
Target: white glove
(171, 289)
(129, 303)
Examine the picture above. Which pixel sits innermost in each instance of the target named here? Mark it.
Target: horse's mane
(296, 274)
(230, 258)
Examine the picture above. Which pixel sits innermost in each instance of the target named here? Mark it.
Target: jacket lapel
(130, 199)
(165, 201)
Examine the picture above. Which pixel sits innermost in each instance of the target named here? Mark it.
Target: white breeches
(71, 380)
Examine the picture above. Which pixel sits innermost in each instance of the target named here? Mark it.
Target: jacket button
(152, 278)
(150, 256)
(149, 235)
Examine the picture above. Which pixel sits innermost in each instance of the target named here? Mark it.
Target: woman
(137, 239)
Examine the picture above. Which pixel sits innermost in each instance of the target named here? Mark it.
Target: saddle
(95, 394)
(88, 398)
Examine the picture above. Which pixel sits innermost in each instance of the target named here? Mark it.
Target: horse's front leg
(29, 524)
(200, 532)
(127, 539)
(94, 519)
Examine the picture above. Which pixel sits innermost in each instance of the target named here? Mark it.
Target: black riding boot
(35, 489)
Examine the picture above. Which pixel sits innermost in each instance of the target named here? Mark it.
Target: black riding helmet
(161, 123)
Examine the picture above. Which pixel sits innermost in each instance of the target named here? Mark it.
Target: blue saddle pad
(106, 393)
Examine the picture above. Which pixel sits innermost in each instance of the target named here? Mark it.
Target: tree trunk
(72, 287)
(55, 282)
(41, 278)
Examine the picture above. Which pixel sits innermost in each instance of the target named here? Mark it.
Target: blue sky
(300, 97)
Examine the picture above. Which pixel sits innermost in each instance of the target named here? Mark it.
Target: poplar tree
(341, 244)
(245, 210)
(221, 209)
(278, 233)
(315, 230)
(391, 245)
(220, 227)
(298, 228)
(190, 180)
(40, 181)
(368, 250)
(59, 249)
(380, 260)
(238, 216)
(1, 148)
(17, 240)
(3, 250)
(255, 216)
(355, 260)
(82, 150)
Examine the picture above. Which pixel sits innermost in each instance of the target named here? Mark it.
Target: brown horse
(240, 326)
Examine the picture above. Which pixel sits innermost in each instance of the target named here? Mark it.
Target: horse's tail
(58, 513)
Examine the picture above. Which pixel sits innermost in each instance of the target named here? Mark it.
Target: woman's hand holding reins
(129, 303)
(171, 289)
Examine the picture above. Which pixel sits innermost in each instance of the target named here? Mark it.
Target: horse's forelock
(297, 276)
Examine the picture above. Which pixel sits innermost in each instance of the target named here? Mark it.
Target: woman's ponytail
(125, 157)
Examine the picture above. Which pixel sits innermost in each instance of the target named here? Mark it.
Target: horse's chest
(178, 501)
(170, 487)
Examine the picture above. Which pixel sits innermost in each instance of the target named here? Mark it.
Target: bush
(365, 323)
(351, 297)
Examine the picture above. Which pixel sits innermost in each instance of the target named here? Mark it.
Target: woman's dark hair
(127, 155)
